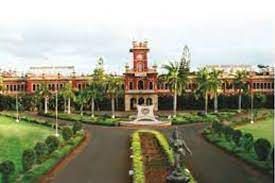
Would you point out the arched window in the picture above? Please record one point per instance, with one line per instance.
(140, 85)
(149, 101)
(151, 86)
(131, 86)
(133, 102)
(141, 101)
(140, 67)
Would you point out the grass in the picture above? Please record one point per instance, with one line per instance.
(138, 167)
(16, 137)
(260, 129)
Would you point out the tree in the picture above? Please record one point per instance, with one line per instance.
(262, 148)
(241, 84)
(97, 85)
(114, 88)
(68, 93)
(214, 86)
(174, 80)
(184, 68)
(203, 82)
(6, 168)
(28, 159)
(81, 99)
(45, 93)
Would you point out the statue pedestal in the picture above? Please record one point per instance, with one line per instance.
(146, 117)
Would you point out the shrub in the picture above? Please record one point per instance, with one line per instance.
(6, 168)
(28, 159)
(138, 167)
(247, 141)
(228, 132)
(52, 143)
(217, 127)
(236, 137)
(67, 133)
(262, 148)
(41, 151)
(77, 126)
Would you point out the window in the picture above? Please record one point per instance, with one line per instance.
(140, 85)
(254, 85)
(8, 88)
(262, 85)
(79, 86)
(131, 86)
(268, 85)
(258, 85)
(140, 67)
(151, 86)
(33, 87)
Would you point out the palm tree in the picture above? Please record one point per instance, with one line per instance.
(241, 84)
(174, 80)
(215, 84)
(203, 78)
(93, 92)
(1, 84)
(81, 99)
(43, 91)
(68, 92)
(114, 88)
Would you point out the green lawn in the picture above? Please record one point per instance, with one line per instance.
(260, 129)
(16, 137)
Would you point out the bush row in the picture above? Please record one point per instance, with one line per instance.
(85, 119)
(41, 152)
(138, 168)
(262, 147)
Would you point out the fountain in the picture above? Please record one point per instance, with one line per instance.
(146, 117)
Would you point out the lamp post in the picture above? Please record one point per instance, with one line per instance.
(17, 111)
(252, 107)
(56, 113)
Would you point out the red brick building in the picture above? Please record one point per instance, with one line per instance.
(141, 80)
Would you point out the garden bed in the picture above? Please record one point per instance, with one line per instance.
(152, 157)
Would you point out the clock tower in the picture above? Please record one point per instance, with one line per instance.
(140, 81)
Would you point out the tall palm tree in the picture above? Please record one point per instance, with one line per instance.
(215, 85)
(68, 92)
(81, 99)
(43, 91)
(114, 88)
(203, 78)
(241, 84)
(94, 92)
(1, 84)
(174, 80)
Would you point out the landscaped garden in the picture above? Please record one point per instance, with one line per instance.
(29, 150)
(152, 157)
(260, 129)
(252, 143)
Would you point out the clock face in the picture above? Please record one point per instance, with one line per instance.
(139, 57)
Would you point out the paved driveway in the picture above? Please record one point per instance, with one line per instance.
(105, 160)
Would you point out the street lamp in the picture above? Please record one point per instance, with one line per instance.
(56, 113)
(17, 111)
(252, 108)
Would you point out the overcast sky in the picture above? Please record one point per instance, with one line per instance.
(63, 32)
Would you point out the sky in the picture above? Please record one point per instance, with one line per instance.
(77, 33)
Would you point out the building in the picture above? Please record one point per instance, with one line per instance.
(140, 81)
